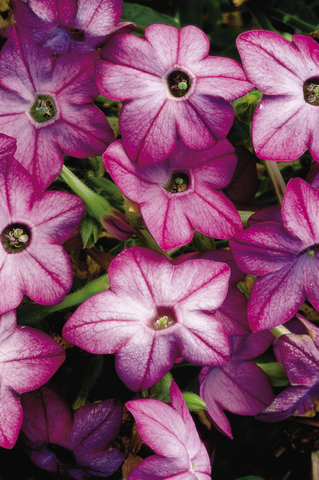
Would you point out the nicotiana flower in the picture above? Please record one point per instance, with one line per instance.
(72, 443)
(180, 194)
(46, 103)
(70, 26)
(300, 358)
(170, 89)
(285, 258)
(287, 73)
(240, 386)
(153, 314)
(28, 359)
(170, 431)
(32, 230)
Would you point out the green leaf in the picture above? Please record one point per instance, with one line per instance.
(293, 13)
(194, 402)
(245, 106)
(276, 374)
(143, 17)
(90, 230)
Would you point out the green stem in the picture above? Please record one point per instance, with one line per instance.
(98, 207)
(278, 331)
(32, 314)
(276, 179)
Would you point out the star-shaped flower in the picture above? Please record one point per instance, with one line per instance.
(154, 313)
(286, 121)
(46, 104)
(170, 89)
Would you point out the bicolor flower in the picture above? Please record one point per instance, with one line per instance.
(70, 443)
(285, 258)
(170, 431)
(286, 121)
(240, 386)
(181, 194)
(170, 89)
(28, 359)
(32, 230)
(46, 104)
(300, 358)
(153, 314)
(70, 26)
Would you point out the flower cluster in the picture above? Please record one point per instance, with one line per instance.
(176, 292)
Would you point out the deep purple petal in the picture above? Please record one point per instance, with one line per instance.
(290, 401)
(47, 416)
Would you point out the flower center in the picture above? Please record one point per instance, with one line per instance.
(165, 319)
(76, 34)
(179, 83)
(179, 182)
(311, 91)
(310, 251)
(63, 454)
(15, 238)
(43, 109)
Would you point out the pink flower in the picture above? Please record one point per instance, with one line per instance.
(72, 444)
(154, 313)
(33, 229)
(286, 121)
(284, 256)
(240, 386)
(28, 359)
(181, 194)
(170, 89)
(70, 26)
(170, 431)
(46, 103)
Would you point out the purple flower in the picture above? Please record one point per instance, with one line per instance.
(70, 26)
(287, 73)
(285, 258)
(170, 89)
(28, 359)
(170, 431)
(154, 313)
(76, 444)
(181, 194)
(300, 358)
(240, 386)
(46, 103)
(32, 231)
